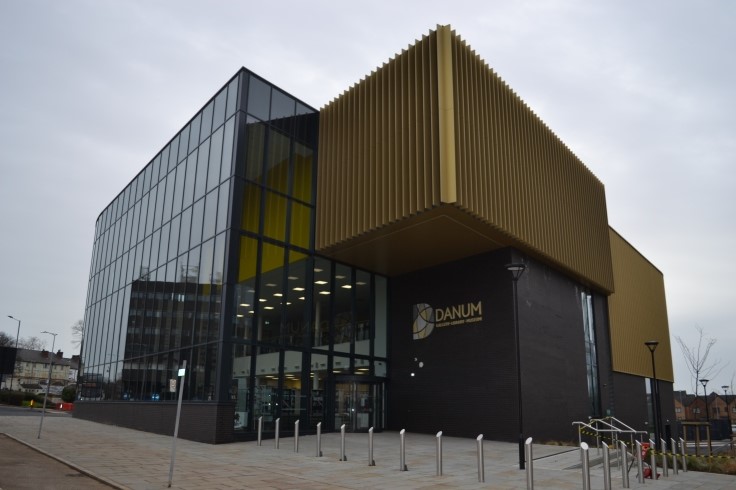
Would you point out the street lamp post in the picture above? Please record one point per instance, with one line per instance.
(17, 334)
(48, 382)
(728, 411)
(652, 346)
(728, 414)
(704, 382)
(516, 271)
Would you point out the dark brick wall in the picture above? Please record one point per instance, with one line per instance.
(468, 383)
(631, 408)
(202, 422)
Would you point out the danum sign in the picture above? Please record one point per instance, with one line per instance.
(426, 318)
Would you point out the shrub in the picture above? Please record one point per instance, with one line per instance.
(68, 394)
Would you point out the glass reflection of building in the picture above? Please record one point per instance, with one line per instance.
(208, 256)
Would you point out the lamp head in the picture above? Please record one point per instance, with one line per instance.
(516, 269)
(704, 382)
(651, 345)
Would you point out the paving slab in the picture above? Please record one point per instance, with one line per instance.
(130, 459)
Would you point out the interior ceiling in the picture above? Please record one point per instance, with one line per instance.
(441, 235)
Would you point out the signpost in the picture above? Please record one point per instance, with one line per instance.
(182, 373)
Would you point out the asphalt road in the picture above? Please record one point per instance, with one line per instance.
(24, 468)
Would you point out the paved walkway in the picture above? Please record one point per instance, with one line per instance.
(130, 459)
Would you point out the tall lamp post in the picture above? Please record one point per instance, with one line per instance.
(48, 382)
(728, 414)
(17, 334)
(652, 346)
(704, 382)
(517, 269)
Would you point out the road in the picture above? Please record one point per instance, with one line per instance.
(25, 468)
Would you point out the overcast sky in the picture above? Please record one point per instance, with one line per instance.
(644, 92)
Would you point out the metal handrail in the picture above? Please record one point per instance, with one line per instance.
(609, 428)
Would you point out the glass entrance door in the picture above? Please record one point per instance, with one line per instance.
(358, 405)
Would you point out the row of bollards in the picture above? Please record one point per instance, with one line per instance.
(641, 451)
(402, 449)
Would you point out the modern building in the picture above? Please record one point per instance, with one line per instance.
(349, 265)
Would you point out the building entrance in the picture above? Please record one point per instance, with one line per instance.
(358, 404)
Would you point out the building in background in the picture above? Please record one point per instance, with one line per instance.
(349, 266)
(31, 373)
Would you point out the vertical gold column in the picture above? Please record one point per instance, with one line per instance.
(448, 185)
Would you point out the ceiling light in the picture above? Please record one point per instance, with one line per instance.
(298, 289)
(324, 292)
(320, 282)
(346, 286)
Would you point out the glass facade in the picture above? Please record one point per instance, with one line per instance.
(208, 256)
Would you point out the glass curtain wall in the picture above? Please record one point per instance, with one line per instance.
(157, 272)
(292, 311)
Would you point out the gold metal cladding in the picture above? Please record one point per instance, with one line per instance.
(379, 148)
(637, 313)
(435, 127)
(448, 182)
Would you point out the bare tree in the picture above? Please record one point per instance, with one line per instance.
(77, 333)
(696, 358)
(6, 340)
(31, 343)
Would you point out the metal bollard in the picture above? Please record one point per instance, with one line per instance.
(296, 436)
(673, 444)
(439, 453)
(481, 460)
(371, 462)
(586, 465)
(665, 469)
(684, 455)
(606, 468)
(318, 454)
(260, 429)
(624, 460)
(343, 456)
(276, 438)
(529, 464)
(639, 462)
(402, 450)
(653, 459)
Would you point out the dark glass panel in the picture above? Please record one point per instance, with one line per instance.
(380, 319)
(142, 220)
(296, 316)
(266, 394)
(277, 167)
(194, 131)
(151, 212)
(240, 385)
(213, 172)
(259, 98)
(301, 225)
(227, 151)
(321, 299)
(174, 237)
(232, 97)
(343, 308)
(218, 264)
(146, 180)
(219, 115)
(303, 167)
(154, 249)
(206, 122)
(183, 143)
(170, 178)
(222, 206)
(165, 160)
(210, 215)
(173, 155)
(202, 160)
(255, 150)
(362, 294)
(293, 404)
(186, 223)
(189, 180)
(197, 218)
(248, 260)
(156, 168)
(164, 247)
(274, 216)
(160, 194)
(178, 190)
